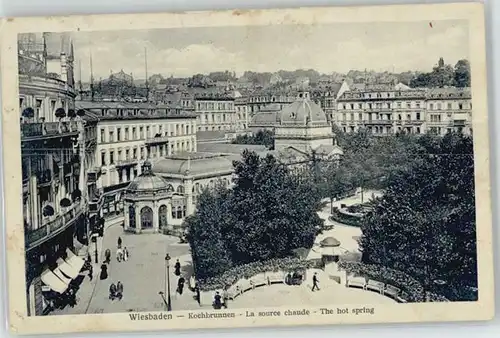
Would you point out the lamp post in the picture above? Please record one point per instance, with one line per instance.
(167, 282)
(95, 252)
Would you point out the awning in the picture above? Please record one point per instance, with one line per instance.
(52, 281)
(60, 274)
(67, 269)
(75, 261)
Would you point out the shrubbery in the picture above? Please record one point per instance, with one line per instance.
(346, 219)
(406, 283)
(231, 276)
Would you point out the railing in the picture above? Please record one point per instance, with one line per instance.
(126, 162)
(157, 140)
(93, 175)
(44, 176)
(53, 225)
(48, 128)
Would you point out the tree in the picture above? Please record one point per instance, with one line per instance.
(462, 73)
(424, 224)
(274, 212)
(204, 234)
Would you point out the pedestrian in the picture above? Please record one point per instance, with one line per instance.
(112, 291)
(119, 290)
(177, 268)
(107, 255)
(180, 285)
(119, 254)
(91, 271)
(198, 295)
(315, 282)
(119, 242)
(217, 301)
(104, 271)
(125, 254)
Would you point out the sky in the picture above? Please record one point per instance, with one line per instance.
(327, 48)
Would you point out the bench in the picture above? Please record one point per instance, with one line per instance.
(402, 297)
(392, 291)
(359, 282)
(375, 286)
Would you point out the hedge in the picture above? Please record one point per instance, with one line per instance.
(231, 276)
(346, 219)
(386, 275)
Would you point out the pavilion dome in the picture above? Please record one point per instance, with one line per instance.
(302, 112)
(147, 181)
(330, 242)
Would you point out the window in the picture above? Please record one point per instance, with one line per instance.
(431, 106)
(103, 158)
(417, 104)
(147, 132)
(38, 108)
(418, 116)
(439, 107)
(418, 130)
(142, 153)
(52, 105)
(119, 155)
(102, 135)
(134, 153)
(449, 105)
(127, 154)
(360, 116)
(399, 117)
(460, 106)
(399, 104)
(352, 117)
(126, 134)
(119, 134)
(141, 132)
(111, 157)
(111, 136)
(134, 133)
(408, 117)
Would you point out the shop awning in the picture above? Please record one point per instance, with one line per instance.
(67, 269)
(53, 282)
(61, 275)
(75, 261)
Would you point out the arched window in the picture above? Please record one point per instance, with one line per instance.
(179, 212)
(170, 188)
(131, 216)
(162, 216)
(184, 211)
(180, 189)
(146, 218)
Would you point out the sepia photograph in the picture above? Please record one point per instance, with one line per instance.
(289, 170)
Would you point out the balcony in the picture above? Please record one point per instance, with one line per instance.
(378, 122)
(93, 175)
(157, 140)
(126, 163)
(36, 131)
(96, 202)
(53, 226)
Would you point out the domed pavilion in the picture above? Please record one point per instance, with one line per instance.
(148, 200)
(303, 125)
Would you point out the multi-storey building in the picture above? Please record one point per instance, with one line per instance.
(53, 175)
(258, 101)
(242, 114)
(411, 111)
(215, 112)
(128, 134)
(449, 109)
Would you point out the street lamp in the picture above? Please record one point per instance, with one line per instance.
(94, 239)
(167, 282)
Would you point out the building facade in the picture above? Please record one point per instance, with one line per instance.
(130, 133)
(53, 173)
(215, 112)
(416, 111)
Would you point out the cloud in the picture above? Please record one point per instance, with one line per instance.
(398, 47)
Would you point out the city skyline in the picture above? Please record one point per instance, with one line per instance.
(374, 46)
